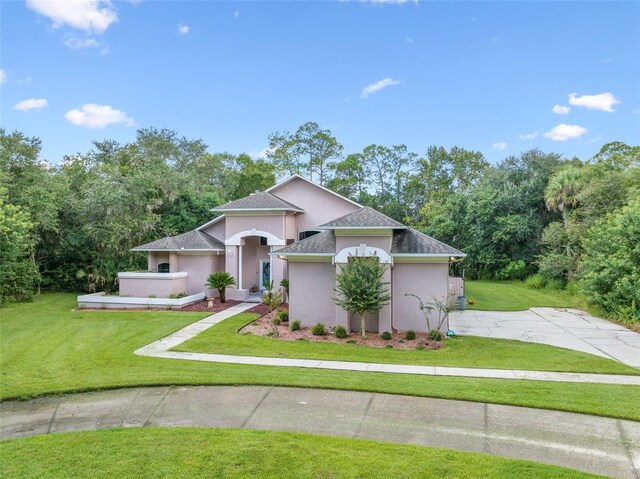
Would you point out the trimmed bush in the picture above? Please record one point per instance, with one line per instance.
(283, 316)
(276, 321)
(351, 341)
(388, 346)
(419, 347)
(435, 335)
(295, 326)
(411, 335)
(318, 330)
(340, 332)
(386, 335)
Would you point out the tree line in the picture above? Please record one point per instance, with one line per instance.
(564, 223)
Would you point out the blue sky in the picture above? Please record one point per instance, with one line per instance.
(480, 75)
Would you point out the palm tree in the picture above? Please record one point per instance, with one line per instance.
(220, 281)
(562, 191)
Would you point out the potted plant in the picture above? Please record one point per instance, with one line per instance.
(254, 288)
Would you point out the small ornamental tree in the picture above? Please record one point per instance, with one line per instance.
(220, 281)
(360, 288)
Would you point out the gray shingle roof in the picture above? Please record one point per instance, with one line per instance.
(191, 240)
(410, 241)
(363, 218)
(322, 243)
(258, 201)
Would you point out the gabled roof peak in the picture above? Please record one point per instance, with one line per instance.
(364, 218)
(260, 200)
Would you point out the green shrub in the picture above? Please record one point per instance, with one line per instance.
(555, 284)
(419, 347)
(386, 335)
(536, 281)
(318, 329)
(389, 346)
(351, 341)
(295, 326)
(435, 335)
(411, 335)
(283, 316)
(276, 321)
(572, 287)
(340, 332)
(513, 270)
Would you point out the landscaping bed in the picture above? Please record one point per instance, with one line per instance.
(263, 326)
(204, 306)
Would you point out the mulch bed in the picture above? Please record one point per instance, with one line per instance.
(263, 327)
(204, 307)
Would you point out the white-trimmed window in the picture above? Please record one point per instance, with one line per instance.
(163, 268)
(307, 234)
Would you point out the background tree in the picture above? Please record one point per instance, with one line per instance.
(360, 288)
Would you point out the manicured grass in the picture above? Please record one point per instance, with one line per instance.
(515, 296)
(46, 348)
(469, 352)
(193, 452)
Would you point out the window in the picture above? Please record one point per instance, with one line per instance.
(263, 241)
(307, 234)
(163, 267)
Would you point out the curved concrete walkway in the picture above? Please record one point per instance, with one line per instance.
(162, 349)
(592, 444)
(565, 328)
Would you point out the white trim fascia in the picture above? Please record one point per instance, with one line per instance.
(427, 255)
(292, 177)
(145, 275)
(214, 220)
(180, 250)
(363, 227)
(231, 210)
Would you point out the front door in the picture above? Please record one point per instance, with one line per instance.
(265, 273)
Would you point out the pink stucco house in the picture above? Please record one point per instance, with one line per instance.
(301, 231)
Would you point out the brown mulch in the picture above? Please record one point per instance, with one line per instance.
(263, 327)
(204, 306)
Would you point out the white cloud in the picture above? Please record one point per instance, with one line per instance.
(262, 154)
(87, 15)
(528, 136)
(97, 116)
(183, 29)
(377, 86)
(3, 76)
(236, 14)
(499, 146)
(560, 109)
(564, 132)
(408, 40)
(30, 104)
(602, 101)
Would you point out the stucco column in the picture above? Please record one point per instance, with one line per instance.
(173, 263)
(151, 261)
(384, 316)
(342, 317)
(240, 267)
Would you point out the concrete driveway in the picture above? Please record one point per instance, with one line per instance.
(593, 444)
(566, 328)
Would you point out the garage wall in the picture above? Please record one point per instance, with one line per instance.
(311, 292)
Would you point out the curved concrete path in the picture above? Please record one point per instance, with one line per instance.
(566, 328)
(162, 349)
(592, 444)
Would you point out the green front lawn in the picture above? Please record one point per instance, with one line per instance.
(194, 452)
(47, 348)
(515, 296)
(467, 352)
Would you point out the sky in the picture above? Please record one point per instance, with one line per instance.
(498, 77)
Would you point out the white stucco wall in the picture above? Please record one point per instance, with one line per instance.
(425, 280)
(311, 292)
